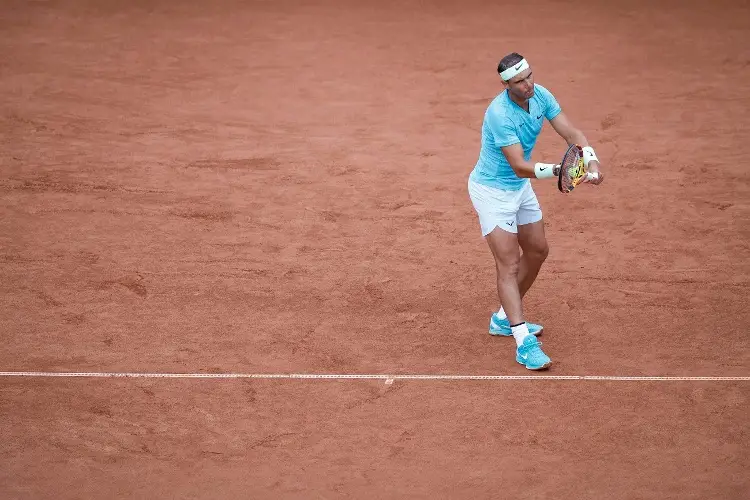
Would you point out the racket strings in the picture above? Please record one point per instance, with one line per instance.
(571, 163)
(571, 169)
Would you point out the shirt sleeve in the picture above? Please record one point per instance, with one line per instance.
(503, 130)
(551, 107)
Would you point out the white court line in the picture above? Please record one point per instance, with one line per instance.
(387, 378)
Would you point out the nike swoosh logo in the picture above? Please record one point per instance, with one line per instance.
(516, 68)
(524, 356)
(538, 117)
(510, 223)
(541, 169)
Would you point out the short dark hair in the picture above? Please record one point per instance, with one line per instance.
(510, 60)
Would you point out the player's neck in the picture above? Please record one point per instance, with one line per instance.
(522, 103)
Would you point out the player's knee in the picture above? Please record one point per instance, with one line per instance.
(544, 252)
(539, 252)
(507, 266)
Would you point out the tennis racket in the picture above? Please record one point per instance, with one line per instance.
(572, 170)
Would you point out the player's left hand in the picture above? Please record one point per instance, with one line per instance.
(593, 166)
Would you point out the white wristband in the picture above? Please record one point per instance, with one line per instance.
(544, 170)
(589, 155)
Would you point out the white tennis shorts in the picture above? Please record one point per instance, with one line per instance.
(504, 209)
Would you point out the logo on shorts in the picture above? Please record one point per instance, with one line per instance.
(510, 223)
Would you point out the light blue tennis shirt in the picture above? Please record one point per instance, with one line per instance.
(506, 123)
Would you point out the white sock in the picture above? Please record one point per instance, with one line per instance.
(501, 313)
(520, 332)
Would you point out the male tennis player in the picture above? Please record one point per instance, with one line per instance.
(508, 210)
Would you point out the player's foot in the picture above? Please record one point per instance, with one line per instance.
(530, 354)
(502, 327)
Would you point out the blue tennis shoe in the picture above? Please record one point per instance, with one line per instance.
(530, 354)
(502, 327)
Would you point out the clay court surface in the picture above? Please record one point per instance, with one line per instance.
(280, 188)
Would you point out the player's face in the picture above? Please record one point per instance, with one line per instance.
(522, 85)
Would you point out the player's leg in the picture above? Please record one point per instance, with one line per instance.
(505, 250)
(534, 246)
(533, 242)
(531, 238)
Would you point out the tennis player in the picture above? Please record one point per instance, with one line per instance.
(500, 189)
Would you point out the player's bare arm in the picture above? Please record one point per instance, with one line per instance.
(573, 135)
(527, 169)
(523, 169)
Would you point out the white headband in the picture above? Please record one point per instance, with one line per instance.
(514, 70)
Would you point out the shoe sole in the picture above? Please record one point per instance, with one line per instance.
(499, 334)
(543, 367)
